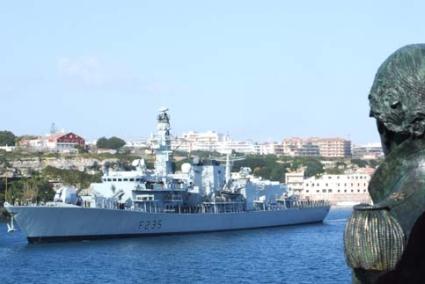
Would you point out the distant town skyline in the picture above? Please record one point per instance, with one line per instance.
(261, 71)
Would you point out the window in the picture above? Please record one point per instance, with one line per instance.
(120, 179)
(358, 190)
(317, 191)
(132, 179)
(323, 190)
(306, 190)
(352, 190)
(114, 179)
(330, 190)
(126, 179)
(345, 190)
(339, 190)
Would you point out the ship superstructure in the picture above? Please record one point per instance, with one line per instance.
(201, 196)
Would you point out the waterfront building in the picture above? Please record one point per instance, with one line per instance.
(295, 182)
(334, 188)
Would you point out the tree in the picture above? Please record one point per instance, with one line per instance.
(374, 163)
(102, 143)
(81, 149)
(34, 189)
(111, 143)
(71, 177)
(116, 143)
(7, 138)
(267, 167)
(359, 163)
(278, 172)
(313, 168)
(334, 171)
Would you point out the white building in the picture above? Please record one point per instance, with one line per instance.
(335, 188)
(137, 143)
(245, 147)
(199, 141)
(295, 182)
(8, 148)
(270, 148)
(211, 141)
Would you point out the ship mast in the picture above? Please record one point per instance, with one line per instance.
(228, 169)
(162, 144)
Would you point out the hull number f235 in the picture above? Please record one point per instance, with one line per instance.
(148, 225)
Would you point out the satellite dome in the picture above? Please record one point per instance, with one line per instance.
(186, 167)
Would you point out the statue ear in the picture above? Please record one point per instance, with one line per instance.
(417, 126)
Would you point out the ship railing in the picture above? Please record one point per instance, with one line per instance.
(222, 207)
(308, 203)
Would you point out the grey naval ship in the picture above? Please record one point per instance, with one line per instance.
(201, 197)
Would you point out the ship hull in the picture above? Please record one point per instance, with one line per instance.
(48, 224)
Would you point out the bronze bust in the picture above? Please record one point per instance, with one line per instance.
(385, 242)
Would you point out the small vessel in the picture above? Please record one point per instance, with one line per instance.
(11, 226)
(204, 196)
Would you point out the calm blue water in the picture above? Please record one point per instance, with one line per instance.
(297, 254)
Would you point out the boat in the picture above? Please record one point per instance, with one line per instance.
(203, 196)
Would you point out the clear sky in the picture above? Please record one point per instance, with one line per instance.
(259, 70)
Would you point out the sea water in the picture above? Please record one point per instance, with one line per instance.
(294, 254)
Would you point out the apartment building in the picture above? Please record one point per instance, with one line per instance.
(315, 147)
(368, 152)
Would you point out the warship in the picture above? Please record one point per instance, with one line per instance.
(203, 196)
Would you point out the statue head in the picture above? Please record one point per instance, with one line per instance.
(397, 97)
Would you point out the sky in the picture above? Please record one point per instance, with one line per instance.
(260, 70)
